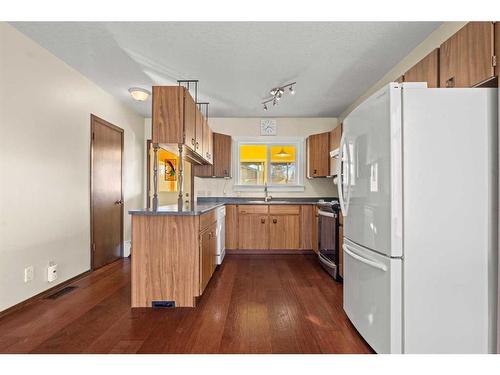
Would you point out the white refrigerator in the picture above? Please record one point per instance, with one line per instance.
(418, 189)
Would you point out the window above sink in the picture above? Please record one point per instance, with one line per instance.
(279, 163)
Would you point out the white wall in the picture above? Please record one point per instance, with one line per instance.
(45, 109)
(250, 127)
(434, 40)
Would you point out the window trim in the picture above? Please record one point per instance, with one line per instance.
(298, 142)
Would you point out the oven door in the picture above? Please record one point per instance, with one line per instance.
(327, 237)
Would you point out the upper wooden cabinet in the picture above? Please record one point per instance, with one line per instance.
(318, 155)
(335, 136)
(497, 48)
(466, 59)
(178, 120)
(220, 151)
(426, 70)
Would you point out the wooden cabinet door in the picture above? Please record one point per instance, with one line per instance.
(204, 139)
(497, 48)
(426, 70)
(198, 132)
(231, 226)
(307, 226)
(318, 155)
(466, 58)
(190, 110)
(222, 155)
(284, 232)
(210, 141)
(335, 136)
(253, 231)
(205, 259)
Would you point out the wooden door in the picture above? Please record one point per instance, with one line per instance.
(318, 155)
(231, 226)
(426, 70)
(284, 232)
(222, 155)
(106, 192)
(466, 58)
(190, 110)
(253, 231)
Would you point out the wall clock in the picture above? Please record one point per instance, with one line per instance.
(267, 127)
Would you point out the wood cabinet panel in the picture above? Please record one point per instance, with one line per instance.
(199, 140)
(284, 232)
(168, 114)
(222, 148)
(285, 209)
(335, 136)
(231, 226)
(318, 155)
(190, 110)
(497, 48)
(207, 255)
(315, 231)
(465, 59)
(210, 143)
(207, 219)
(160, 245)
(307, 226)
(426, 70)
(253, 231)
(253, 209)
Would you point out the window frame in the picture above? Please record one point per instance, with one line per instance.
(298, 142)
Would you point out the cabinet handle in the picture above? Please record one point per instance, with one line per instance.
(197, 145)
(315, 171)
(450, 82)
(275, 221)
(192, 141)
(263, 221)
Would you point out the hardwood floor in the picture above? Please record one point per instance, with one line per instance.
(253, 304)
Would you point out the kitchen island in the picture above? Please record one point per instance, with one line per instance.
(174, 247)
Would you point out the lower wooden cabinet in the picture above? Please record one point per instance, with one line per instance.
(270, 227)
(253, 230)
(284, 232)
(208, 243)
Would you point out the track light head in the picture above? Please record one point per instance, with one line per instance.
(273, 91)
(292, 91)
(265, 107)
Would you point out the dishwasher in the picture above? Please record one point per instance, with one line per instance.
(220, 235)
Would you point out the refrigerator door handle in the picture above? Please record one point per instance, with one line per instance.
(340, 177)
(369, 262)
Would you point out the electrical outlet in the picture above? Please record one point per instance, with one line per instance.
(29, 273)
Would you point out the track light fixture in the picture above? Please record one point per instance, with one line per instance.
(277, 94)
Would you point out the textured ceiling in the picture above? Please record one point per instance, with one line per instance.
(236, 63)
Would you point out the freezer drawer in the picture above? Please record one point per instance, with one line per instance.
(373, 296)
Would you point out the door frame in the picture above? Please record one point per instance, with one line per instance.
(95, 119)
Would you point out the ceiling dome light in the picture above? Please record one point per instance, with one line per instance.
(139, 94)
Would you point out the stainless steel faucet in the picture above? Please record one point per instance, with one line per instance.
(268, 197)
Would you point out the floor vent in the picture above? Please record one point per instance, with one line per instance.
(61, 292)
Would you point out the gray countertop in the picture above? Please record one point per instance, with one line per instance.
(206, 204)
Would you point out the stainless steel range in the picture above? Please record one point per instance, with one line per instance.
(328, 237)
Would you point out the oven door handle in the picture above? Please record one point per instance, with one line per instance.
(369, 262)
(325, 213)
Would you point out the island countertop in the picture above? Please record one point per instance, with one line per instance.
(204, 205)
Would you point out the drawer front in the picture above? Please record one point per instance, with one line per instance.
(286, 209)
(207, 219)
(252, 209)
